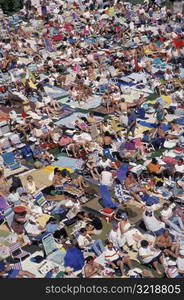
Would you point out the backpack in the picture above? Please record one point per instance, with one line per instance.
(27, 152)
(16, 182)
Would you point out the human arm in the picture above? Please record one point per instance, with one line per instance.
(89, 273)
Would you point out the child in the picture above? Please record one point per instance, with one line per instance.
(13, 198)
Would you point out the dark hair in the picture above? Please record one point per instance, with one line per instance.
(12, 189)
(64, 172)
(108, 243)
(107, 134)
(89, 258)
(51, 220)
(108, 168)
(56, 170)
(159, 183)
(148, 213)
(117, 181)
(144, 243)
(154, 161)
(82, 230)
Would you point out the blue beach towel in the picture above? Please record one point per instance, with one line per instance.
(106, 198)
(180, 121)
(122, 171)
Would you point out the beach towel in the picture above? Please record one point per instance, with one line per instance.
(150, 200)
(57, 37)
(180, 121)
(169, 160)
(48, 45)
(93, 102)
(102, 110)
(66, 111)
(122, 171)
(42, 220)
(182, 73)
(69, 120)
(55, 92)
(106, 198)
(140, 113)
(147, 124)
(67, 162)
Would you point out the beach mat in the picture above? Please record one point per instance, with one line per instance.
(69, 120)
(65, 112)
(67, 162)
(55, 92)
(102, 110)
(106, 197)
(93, 101)
(122, 171)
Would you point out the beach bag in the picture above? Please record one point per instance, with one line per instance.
(107, 213)
(27, 152)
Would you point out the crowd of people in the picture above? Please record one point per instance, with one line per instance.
(129, 148)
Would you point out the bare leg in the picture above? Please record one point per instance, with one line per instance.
(127, 261)
(136, 197)
(121, 265)
(25, 273)
(93, 174)
(81, 183)
(155, 264)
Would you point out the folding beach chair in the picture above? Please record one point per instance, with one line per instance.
(10, 161)
(16, 142)
(40, 200)
(17, 252)
(51, 250)
(8, 217)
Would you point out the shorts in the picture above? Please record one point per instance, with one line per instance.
(13, 273)
(155, 258)
(115, 261)
(135, 188)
